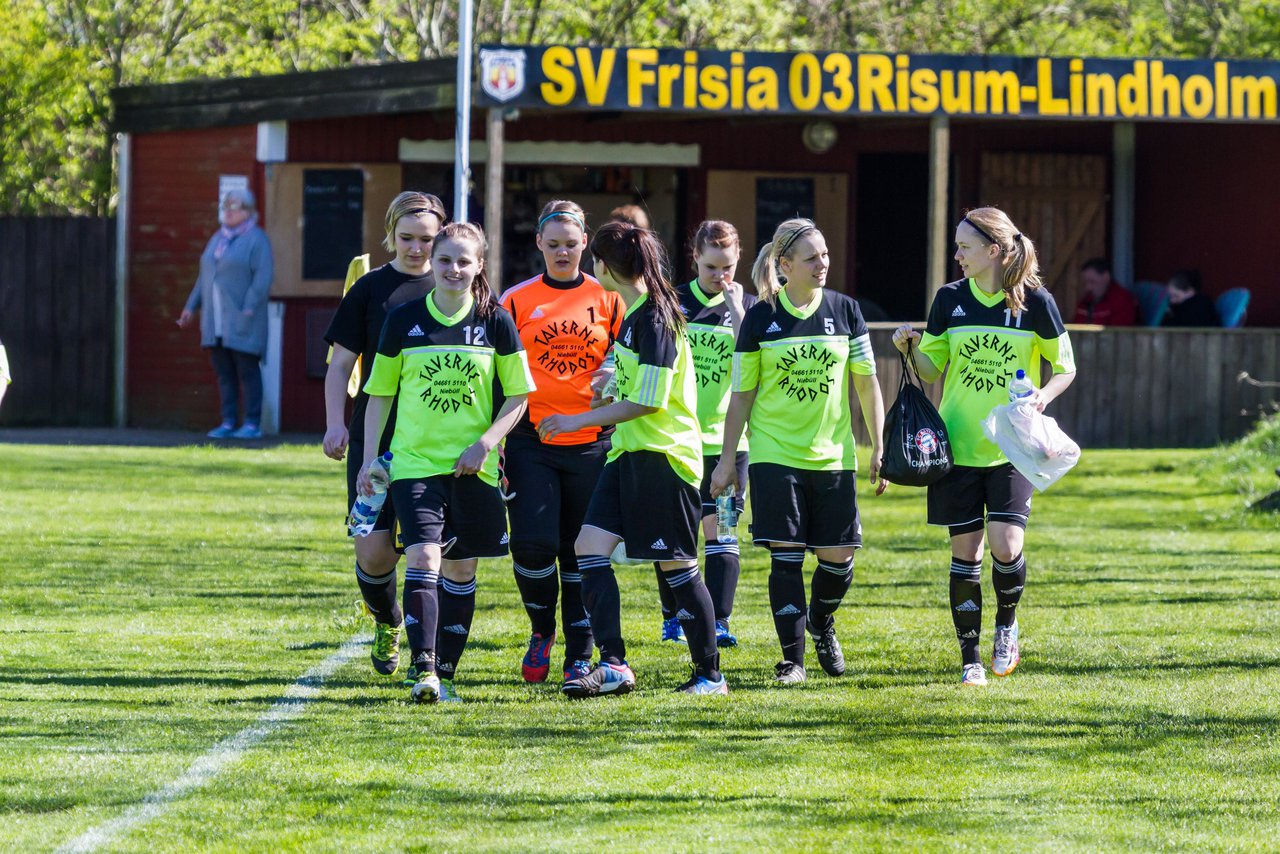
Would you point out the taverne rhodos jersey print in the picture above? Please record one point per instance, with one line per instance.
(799, 360)
(444, 369)
(983, 344)
(711, 338)
(655, 368)
(566, 328)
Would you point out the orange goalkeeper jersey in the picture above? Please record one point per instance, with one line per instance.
(566, 328)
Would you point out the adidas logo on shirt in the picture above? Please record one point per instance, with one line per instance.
(773, 327)
(958, 312)
(967, 606)
(537, 312)
(455, 629)
(416, 331)
(659, 545)
(787, 611)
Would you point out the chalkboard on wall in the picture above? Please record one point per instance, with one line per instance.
(779, 199)
(332, 221)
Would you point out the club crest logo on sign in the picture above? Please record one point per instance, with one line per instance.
(927, 441)
(502, 73)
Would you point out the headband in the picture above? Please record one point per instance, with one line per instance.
(795, 235)
(567, 214)
(981, 231)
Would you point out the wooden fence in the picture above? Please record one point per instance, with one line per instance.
(57, 308)
(1147, 388)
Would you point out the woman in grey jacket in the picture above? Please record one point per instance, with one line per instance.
(231, 293)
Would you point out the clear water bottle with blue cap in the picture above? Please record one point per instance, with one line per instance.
(365, 512)
(1021, 387)
(726, 517)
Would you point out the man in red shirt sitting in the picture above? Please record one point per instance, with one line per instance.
(1104, 302)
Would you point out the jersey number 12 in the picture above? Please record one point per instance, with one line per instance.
(475, 334)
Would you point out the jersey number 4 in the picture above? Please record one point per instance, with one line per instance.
(475, 334)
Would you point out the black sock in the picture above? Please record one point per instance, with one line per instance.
(421, 610)
(966, 606)
(666, 599)
(379, 594)
(696, 613)
(603, 602)
(1009, 579)
(831, 582)
(786, 599)
(538, 590)
(576, 625)
(457, 609)
(723, 569)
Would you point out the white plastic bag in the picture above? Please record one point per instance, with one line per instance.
(1033, 442)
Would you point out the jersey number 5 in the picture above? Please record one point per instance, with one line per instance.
(474, 334)
(828, 326)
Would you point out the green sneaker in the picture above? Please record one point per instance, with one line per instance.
(386, 648)
(447, 692)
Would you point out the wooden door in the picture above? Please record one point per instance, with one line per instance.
(1060, 202)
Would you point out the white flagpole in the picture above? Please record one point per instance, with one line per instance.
(462, 134)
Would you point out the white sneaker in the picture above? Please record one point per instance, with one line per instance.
(426, 689)
(1005, 658)
(973, 674)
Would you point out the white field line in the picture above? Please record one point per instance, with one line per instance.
(203, 770)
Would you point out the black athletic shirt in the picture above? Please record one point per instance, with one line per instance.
(358, 323)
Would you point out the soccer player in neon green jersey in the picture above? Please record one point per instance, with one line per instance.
(984, 328)
(714, 305)
(798, 348)
(442, 355)
(647, 495)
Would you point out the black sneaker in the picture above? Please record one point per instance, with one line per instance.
(788, 673)
(830, 655)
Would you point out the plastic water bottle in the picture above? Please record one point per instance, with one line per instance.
(364, 513)
(726, 517)
(609, 391)
(1021, 387)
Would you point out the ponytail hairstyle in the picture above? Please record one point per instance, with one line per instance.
(563, 210)
(634, 254)
(469, 232)
(715, 233)
(765, 272)
(411, 203)
(1019, 266)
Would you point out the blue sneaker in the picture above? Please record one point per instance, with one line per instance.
(604, 678)
(536, 663)
(701, 685)
(576, 669)
(222, 431)
(673, 631)
(724, 638)
(247, 431)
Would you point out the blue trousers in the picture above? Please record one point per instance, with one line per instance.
(236, 369)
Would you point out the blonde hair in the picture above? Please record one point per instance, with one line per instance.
(1019, 266)
(765, 270)
(563, 209)
(715, 233)
(411, 203)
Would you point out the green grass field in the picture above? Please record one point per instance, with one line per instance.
(159, 601)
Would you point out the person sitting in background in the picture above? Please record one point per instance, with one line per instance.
(633, 214)
(1188, 304)
(1104, 302)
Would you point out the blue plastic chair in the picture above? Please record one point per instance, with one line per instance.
(1153, 302)
(1232, 305)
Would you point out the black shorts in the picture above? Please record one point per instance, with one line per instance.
(709, 464)
(968, 497)
(355, 459)
(462, 515)
(551, 486)
(641, 499)
(817, 509)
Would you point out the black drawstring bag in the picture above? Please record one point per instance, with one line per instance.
(916, 449)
